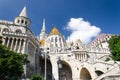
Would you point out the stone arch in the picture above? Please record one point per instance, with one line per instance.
(18, 31)
(66, 71)
(98, 72)
(5, 30)
(85, 74)
(90, 70)
(49, 75)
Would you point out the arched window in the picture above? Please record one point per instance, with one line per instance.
(52, 39)
(18, 21)
(18, 31)
(25, 22)
(22, 21)
(59, 39)
(5, 30)
(55, 39)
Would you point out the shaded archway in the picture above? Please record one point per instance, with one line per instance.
(66, 72)
(49, 75)
(98, 72)
(84, 74)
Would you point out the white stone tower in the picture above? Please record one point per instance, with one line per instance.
(22, 19)
(18, 37)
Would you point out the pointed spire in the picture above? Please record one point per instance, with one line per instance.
(24, 12)
(43, 27)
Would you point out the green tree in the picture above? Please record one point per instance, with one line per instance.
(114, 45)
(11, 63)
(36, 77)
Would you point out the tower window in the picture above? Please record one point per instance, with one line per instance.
(22, 21)
(52, 39)
(55, 39)
(59, 39)
(25, 22)
(18, 21)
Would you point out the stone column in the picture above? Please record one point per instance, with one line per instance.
(16, 44)
(82, 56)
(3, 39)
(8, 41)
(79, 56)
(54, 68)
(11, 47)
(85, 56)
(19, 45)
(25, 46)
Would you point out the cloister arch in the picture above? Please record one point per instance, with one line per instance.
(85, 74)
(66, 71)
(49, 75)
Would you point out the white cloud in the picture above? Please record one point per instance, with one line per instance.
(82, 30)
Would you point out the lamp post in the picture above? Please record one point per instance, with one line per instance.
(45, 66)
(59, 62)
(46, 56)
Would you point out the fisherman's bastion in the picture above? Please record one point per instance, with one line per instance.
(53, 57)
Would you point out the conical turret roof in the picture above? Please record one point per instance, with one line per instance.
(24, 12)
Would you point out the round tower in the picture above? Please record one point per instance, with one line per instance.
(22, 19)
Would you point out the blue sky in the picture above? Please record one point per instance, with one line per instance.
(98, 16)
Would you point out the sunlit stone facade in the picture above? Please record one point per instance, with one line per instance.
(78, 61)
(18, 37)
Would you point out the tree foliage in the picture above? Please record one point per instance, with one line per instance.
(114, 45)
(11, 63)
(36, 77)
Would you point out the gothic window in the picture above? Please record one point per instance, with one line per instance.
(18, 31)
(56, 45)
(5, 30)
(55, 39)
(60, 39)
(22, 21)
(18, 21)
(60, 45)
(52, 39)
(25, 22)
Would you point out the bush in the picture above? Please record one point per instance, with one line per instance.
(107, 59)
(36, 77)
